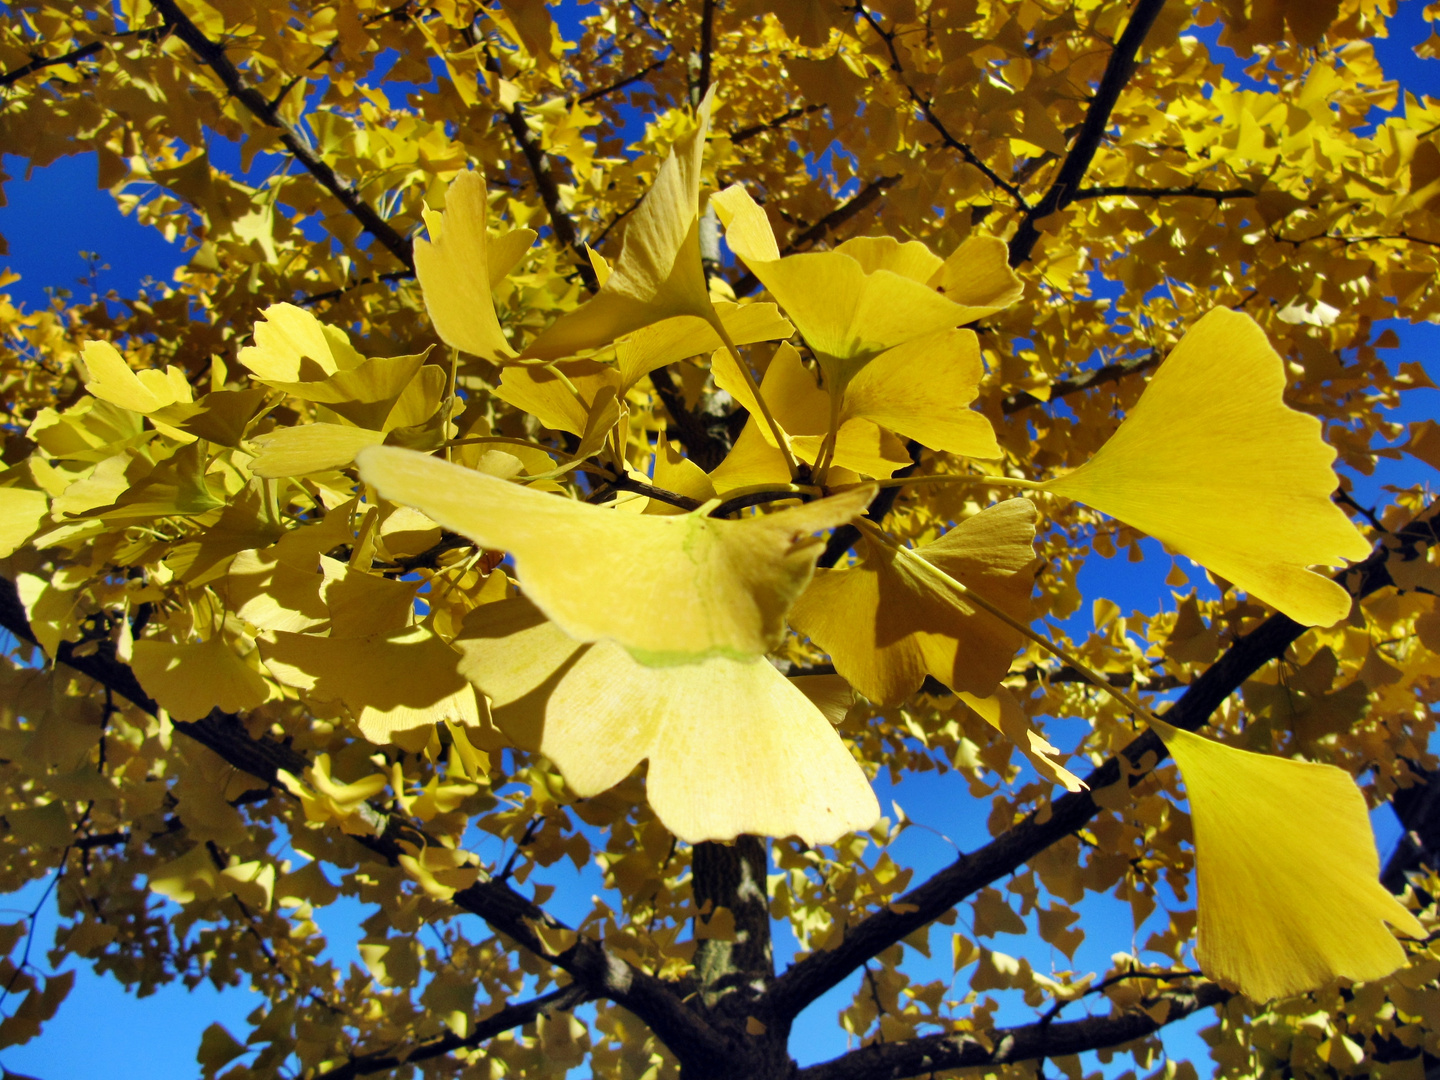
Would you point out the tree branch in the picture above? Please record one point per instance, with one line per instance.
(600, 972)
(39, 63)
(335, 294)
(1097, 118)
(620, 84)
(935, 1053)
(706, 437)
(1064, 387)
(1194, 191)
(747, 133)
(561, 223)
(512, 1016)
(847, 536)
(807, 979)
(707, 46)
(926, 109)
(212, 55)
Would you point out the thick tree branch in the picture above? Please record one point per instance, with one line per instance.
(512, 1016)
(1029, 1042)
(833, 220)
(1097, 118)
(1418, 808)
(807, 979)
(705, 436)
(213, 56)
(707, 47)
(739, 965)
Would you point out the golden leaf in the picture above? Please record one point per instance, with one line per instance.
(458, 269)
(658, 274)
(733, 746)
(1288, 891)
(188, 680)
(887, 623)
(683, 587)
(1212, 462)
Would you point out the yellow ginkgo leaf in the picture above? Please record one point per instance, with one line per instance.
(193, 876)
(831, 694)
(803, 410)
(848, 314)
(221, 416)
(1214, 463)
(1289, 896)
(309, 448)
(688, 335)
(1003, 712)
(658, 273)
(21, 512)
(190, 680)
(753, 461)
(684, 586)
(677, 473)
(977, 276)
(326, 800)
(560, 396)
(887, 623)
(459, 266)
(910, 258)
(148, 392)
(365, 393)
(292, 345)
(113, 380)
(921, 389)
(733, 746)
(389, 682)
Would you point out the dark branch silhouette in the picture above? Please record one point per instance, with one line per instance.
(1029, 1042)
(512, 1016)
(807, 979)
(1097, 118)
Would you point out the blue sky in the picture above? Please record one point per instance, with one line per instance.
(57, 212)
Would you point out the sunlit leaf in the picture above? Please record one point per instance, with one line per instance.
(1289, 897)
(886, 623)
(458, 269)
(1212, 462)
(719, 587)
(658, 273)
(732, 746)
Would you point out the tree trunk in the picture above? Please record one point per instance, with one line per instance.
(734, 963)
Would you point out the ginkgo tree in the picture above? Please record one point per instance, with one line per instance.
(628, 439)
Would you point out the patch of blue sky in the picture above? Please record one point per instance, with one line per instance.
(947, 821)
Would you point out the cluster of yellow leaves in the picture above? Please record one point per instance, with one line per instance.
(185, 490)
